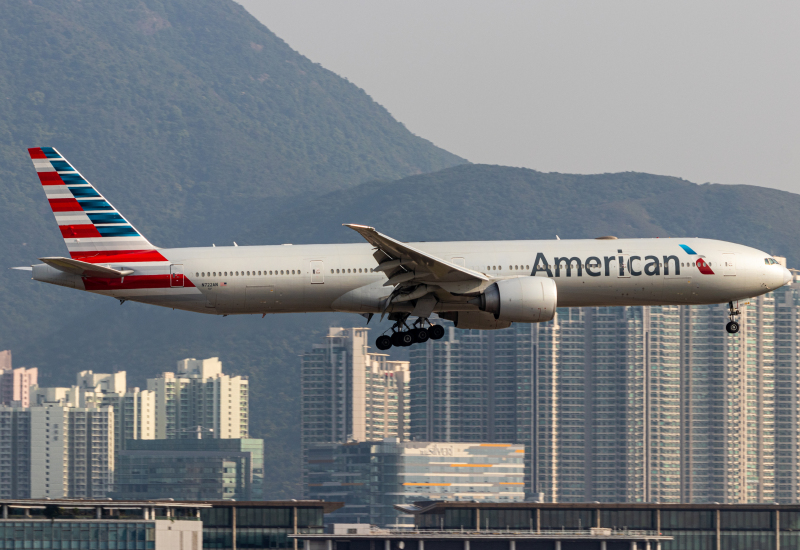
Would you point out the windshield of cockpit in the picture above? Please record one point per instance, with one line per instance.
(771, 261)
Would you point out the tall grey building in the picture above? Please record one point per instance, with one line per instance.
(628, 404)
(350, 394)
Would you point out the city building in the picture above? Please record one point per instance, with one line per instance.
(362, 537)
(54, 451)
(92, 524)
(72, 451)
(200, 397)
(263, 525)
(15, 384)
(15, 452)
(628, 404)
(372, 477)
(159, 524)
(349, 394)
(134, 409)
(708, 526)
(190, 469)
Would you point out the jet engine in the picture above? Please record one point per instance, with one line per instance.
(520, 300)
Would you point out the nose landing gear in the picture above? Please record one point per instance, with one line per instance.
(732, 327)
(418, 334)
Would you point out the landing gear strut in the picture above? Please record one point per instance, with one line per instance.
(732, 327)
(417, 334)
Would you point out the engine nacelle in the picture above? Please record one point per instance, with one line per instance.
(520, 300)
(474, 319)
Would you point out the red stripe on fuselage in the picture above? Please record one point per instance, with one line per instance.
(703, 267)
(36, 153)
(118, 256)
(132, 282)
(50, 178)
(79, 231)
(65, 205)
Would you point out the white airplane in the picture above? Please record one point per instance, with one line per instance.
(477, 284)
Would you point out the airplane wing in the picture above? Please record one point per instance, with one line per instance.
(406, 264)
(84, 269)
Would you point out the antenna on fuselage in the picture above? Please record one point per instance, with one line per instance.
(558, 238)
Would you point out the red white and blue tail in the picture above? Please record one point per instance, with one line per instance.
(93, 230)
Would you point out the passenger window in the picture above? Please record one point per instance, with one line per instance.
(527, 267)
(226, 274)
(293, 272)
(215, 274)
(337, 271)
(331, 271)
(259, 272)
(359, 270)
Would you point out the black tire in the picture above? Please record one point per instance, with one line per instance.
(732, 327)
(436, 332)
(421, 335)
(406, 339)
(383, 342)
(396, 341)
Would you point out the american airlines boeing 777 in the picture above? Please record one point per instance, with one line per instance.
(477, 284)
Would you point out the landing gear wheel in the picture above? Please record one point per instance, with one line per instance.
(405, 338)
(420, 335)
(436, 332)
(395, 338)
(732, 327)
(383, 342)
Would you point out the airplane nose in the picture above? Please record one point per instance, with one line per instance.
(787, 276)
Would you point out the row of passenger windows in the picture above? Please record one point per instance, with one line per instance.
(527, 267)
(271, 272)
(244, 273)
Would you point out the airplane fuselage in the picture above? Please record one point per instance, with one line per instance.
(341, 277)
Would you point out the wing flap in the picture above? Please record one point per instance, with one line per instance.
(426, 264)
(84, 269)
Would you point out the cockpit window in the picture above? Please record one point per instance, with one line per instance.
(771, 261)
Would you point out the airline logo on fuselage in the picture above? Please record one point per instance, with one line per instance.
(622, 265)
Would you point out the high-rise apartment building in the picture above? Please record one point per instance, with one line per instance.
(56, 451)
(134, 409)
(350, 394)
(15, 452)
(628, 404)
(15, 384)
(199, 397)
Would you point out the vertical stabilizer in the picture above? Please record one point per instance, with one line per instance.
(93, 230)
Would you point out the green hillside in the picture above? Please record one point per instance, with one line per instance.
(197, 122)
(497, 202)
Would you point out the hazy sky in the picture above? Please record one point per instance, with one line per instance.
(707, 91)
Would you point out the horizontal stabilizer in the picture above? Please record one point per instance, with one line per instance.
(84, 269)
(23, 268)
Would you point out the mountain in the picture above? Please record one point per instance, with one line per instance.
(198, 122)
(202, 126)
(482, 202)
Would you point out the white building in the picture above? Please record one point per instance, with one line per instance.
(199, 397)
(134, 409)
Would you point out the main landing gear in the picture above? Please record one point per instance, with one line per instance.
(732, 327)
(417, 334)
